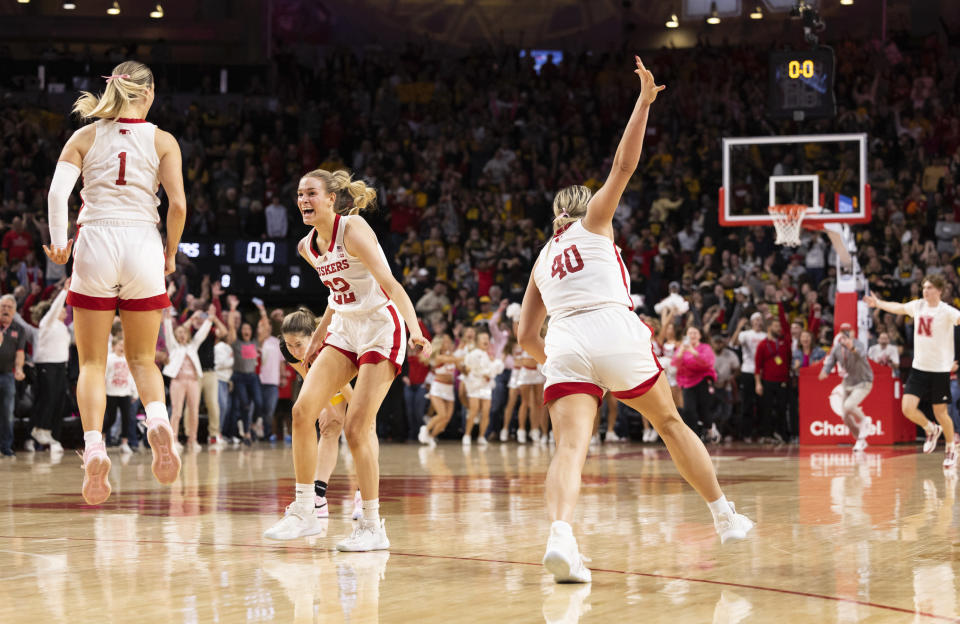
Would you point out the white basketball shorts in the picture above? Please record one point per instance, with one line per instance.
(442, 391)
(604, 349)
(369, 337)
(118, 264)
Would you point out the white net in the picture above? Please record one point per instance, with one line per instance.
(788, 219)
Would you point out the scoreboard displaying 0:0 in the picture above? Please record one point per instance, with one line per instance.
(248, 266)
(801, 84)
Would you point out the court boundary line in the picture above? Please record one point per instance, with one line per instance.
(671, 577)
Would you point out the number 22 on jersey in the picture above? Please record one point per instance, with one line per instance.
(567, 261)
(340, 288)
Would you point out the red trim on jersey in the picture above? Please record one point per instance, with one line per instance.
(312, 243)
(87, 302)
(563, 229)
(157, 302)
(333, 236)
(375, 357)
(640, 390)
(566, 388)
(349, 354)
(129, 120)
(623, 274)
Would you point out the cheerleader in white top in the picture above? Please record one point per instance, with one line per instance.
(481, 372)
(596, 343)
(360, 335)
(443, 364)
(119, 260)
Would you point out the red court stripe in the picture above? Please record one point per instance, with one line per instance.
(311, 549)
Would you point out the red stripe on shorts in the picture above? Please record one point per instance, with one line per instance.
(652, 352)
(640, 390)
(156, 302)
(566, 388)
(350, 355)
(87, 302)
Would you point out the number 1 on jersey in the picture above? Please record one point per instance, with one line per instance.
(121, 180)
(568, 259)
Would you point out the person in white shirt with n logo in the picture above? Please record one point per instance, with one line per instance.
(933, 356)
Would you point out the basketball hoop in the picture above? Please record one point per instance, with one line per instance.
(788, 218)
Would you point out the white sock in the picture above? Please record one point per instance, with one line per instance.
(305, 494)
(92, 437)
(371, 510)
(156, 409)
(719, 506)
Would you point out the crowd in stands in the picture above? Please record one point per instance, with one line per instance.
(466, 152)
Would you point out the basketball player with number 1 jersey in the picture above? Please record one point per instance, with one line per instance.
(933, 357)
(119, 260)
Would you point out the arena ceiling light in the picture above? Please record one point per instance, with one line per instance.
(757, 13)
(846, 2)
(673, 22)
(114, 8)
(714, 18)
(69, 6)
(23, 1)
(157, 13)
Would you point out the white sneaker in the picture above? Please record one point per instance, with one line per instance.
(932, 436)
(521, 436)
(713, 436)
(320, 507)
(357, 512)
(482, 441)
(465, 440)
(125, 449)
(41, 435)
(732, 526)
(595, 440)
(550, 437)
(654, 436)
(860, 445)
(504, 435)
(535, 436)
(298, 521)
(423, 435)
(563, 558)
(366, 536)
(950, 457)
(28, 446)
(431, 442)
(56, 448)
(613, 437)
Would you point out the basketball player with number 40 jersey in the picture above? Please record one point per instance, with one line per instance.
(933, 356)
(119, 259)
(596, 343)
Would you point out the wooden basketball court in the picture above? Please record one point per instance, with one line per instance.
(838, 539)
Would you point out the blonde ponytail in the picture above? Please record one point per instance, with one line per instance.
(352, 195)
(129, 81)
(570, 205)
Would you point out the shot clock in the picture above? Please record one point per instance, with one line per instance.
(801, 84)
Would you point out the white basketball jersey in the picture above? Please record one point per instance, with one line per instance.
(120, 178)
(352, 286)
(932, 335)
(579, 270)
